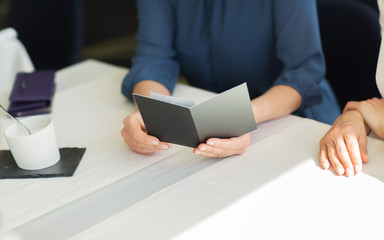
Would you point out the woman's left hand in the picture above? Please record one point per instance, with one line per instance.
(344, 146)
(373, 113)
(218, 147)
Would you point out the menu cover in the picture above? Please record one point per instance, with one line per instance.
(179, 121)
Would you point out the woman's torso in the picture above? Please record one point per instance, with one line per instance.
(227, 43)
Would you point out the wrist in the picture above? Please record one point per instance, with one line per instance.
(146, 86)
(260, 110)
(356, 116)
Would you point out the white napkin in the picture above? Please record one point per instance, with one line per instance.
(13, 58)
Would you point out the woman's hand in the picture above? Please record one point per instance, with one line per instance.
(344, 147)
(373, 113)
(217, 147)
(137, 138)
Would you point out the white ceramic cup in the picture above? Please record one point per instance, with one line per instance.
(37, 150)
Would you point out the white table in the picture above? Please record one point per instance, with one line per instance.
(276, 190)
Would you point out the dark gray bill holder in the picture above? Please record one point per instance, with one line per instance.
(228, 114)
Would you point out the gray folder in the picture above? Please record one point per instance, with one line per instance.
(228, 114)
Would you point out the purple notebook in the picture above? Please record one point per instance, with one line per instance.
(32, 93)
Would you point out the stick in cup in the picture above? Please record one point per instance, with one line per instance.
(37, 150)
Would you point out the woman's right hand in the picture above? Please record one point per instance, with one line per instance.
(136, 137)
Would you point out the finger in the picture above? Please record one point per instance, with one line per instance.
(136, 146)
(209, 151)
(138, 137)
(344, 157)
(210, 154)
(145, 151)
(324, 162)
(354, 153)
(233, 144)
(144, 144)
(216, 147)
(136, 132)
(145, 148)
(333, 158)
(339, 152)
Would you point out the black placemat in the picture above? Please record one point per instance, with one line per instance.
(66, 167)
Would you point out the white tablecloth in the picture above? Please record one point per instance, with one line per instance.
(276, 190)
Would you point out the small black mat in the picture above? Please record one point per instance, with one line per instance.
(66, 167)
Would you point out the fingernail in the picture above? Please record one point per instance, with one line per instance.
(155, 142)
(358, 168)
(164, 146)
(349, 172)
(340, 170)
(203, 148)
(210, 143)
(325, 165)
(197, 152)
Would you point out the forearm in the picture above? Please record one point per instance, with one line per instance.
(145, 87)
(277, 102)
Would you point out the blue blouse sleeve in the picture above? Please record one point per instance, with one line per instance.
(155, 56)
(299, 48)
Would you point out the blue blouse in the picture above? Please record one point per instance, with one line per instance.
(218, 44)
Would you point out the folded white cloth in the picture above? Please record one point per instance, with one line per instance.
(13, 58)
